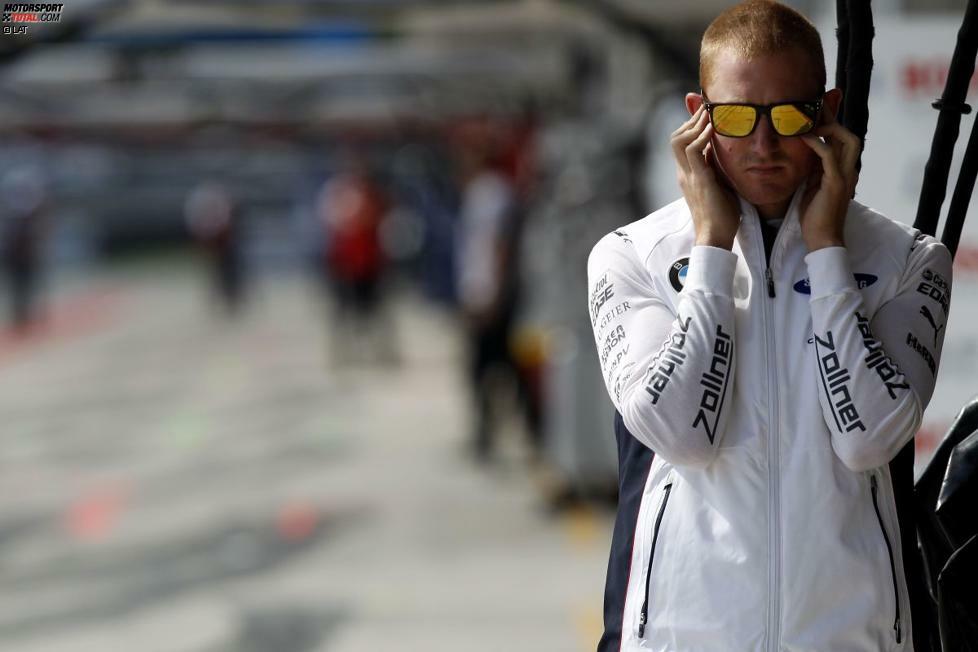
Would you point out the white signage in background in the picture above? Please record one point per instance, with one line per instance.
(911, 56)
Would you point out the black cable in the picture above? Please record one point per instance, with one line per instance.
(842, 60)
(951, 106)
(859, 70)
(963, 188)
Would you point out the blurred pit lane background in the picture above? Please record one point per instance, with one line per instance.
(295, 353)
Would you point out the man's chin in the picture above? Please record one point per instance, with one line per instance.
(773, 192)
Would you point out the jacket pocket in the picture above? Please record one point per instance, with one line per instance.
(644, 615)
(874, 486)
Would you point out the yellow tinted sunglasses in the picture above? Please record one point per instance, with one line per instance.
(738, 120)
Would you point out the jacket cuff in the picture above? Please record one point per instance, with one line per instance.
(829, 272)
(711, 269)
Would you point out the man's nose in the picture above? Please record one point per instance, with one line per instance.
(765, 138)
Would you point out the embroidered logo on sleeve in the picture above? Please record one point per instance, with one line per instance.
(677, 274)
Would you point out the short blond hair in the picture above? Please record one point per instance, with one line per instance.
(757, 28)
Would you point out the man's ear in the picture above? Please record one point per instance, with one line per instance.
(693, 102)
(831, 104)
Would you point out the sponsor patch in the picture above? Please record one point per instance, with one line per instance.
(677, 274)
(835, 380)
(922, 351)
(862, 281)
(714, 380)
(616, 337)
(925, 311)
(603, 290)
(935, 287)
(669, 358)
(611, 316)
(877, 360)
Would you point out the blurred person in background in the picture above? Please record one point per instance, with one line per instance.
(352, 207)
(487, 279)
(22, 202)
(214, 223)
(770, 346)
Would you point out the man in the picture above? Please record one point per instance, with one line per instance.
(770, 346)
(352, 208)
(214, 221)
(23, 204)
(486, 279)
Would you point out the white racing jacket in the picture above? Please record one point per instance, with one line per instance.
(774, 396)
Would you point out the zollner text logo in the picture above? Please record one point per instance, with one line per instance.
(17, 16)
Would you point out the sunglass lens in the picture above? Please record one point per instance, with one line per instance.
(733, 120)
(789, 120)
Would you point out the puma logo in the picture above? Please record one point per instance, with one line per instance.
(933, 324)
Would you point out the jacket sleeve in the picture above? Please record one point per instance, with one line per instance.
(877, 372)
(669, 375)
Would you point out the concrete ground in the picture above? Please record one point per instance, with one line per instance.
(175, 481)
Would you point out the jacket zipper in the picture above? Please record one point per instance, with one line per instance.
(774, 477)
(644, 617)
(889, 552)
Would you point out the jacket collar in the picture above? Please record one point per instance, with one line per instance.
(790, 227)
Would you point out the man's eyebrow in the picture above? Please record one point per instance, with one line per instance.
(728, 100)
(784, 100)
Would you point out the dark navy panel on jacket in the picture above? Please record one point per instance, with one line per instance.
(922, 617)
(634, 463)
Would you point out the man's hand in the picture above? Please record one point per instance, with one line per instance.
(714, 208)
(830, 187)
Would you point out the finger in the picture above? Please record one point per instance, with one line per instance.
(814, 180)
(830, 168)
(687, 135)
(680, 142)
(812, 184)
(839, 135)
(693, 119)
(850, 155)
(847, 148)
(695, 151)
(689, 125)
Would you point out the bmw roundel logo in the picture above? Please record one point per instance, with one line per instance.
(677, 273)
